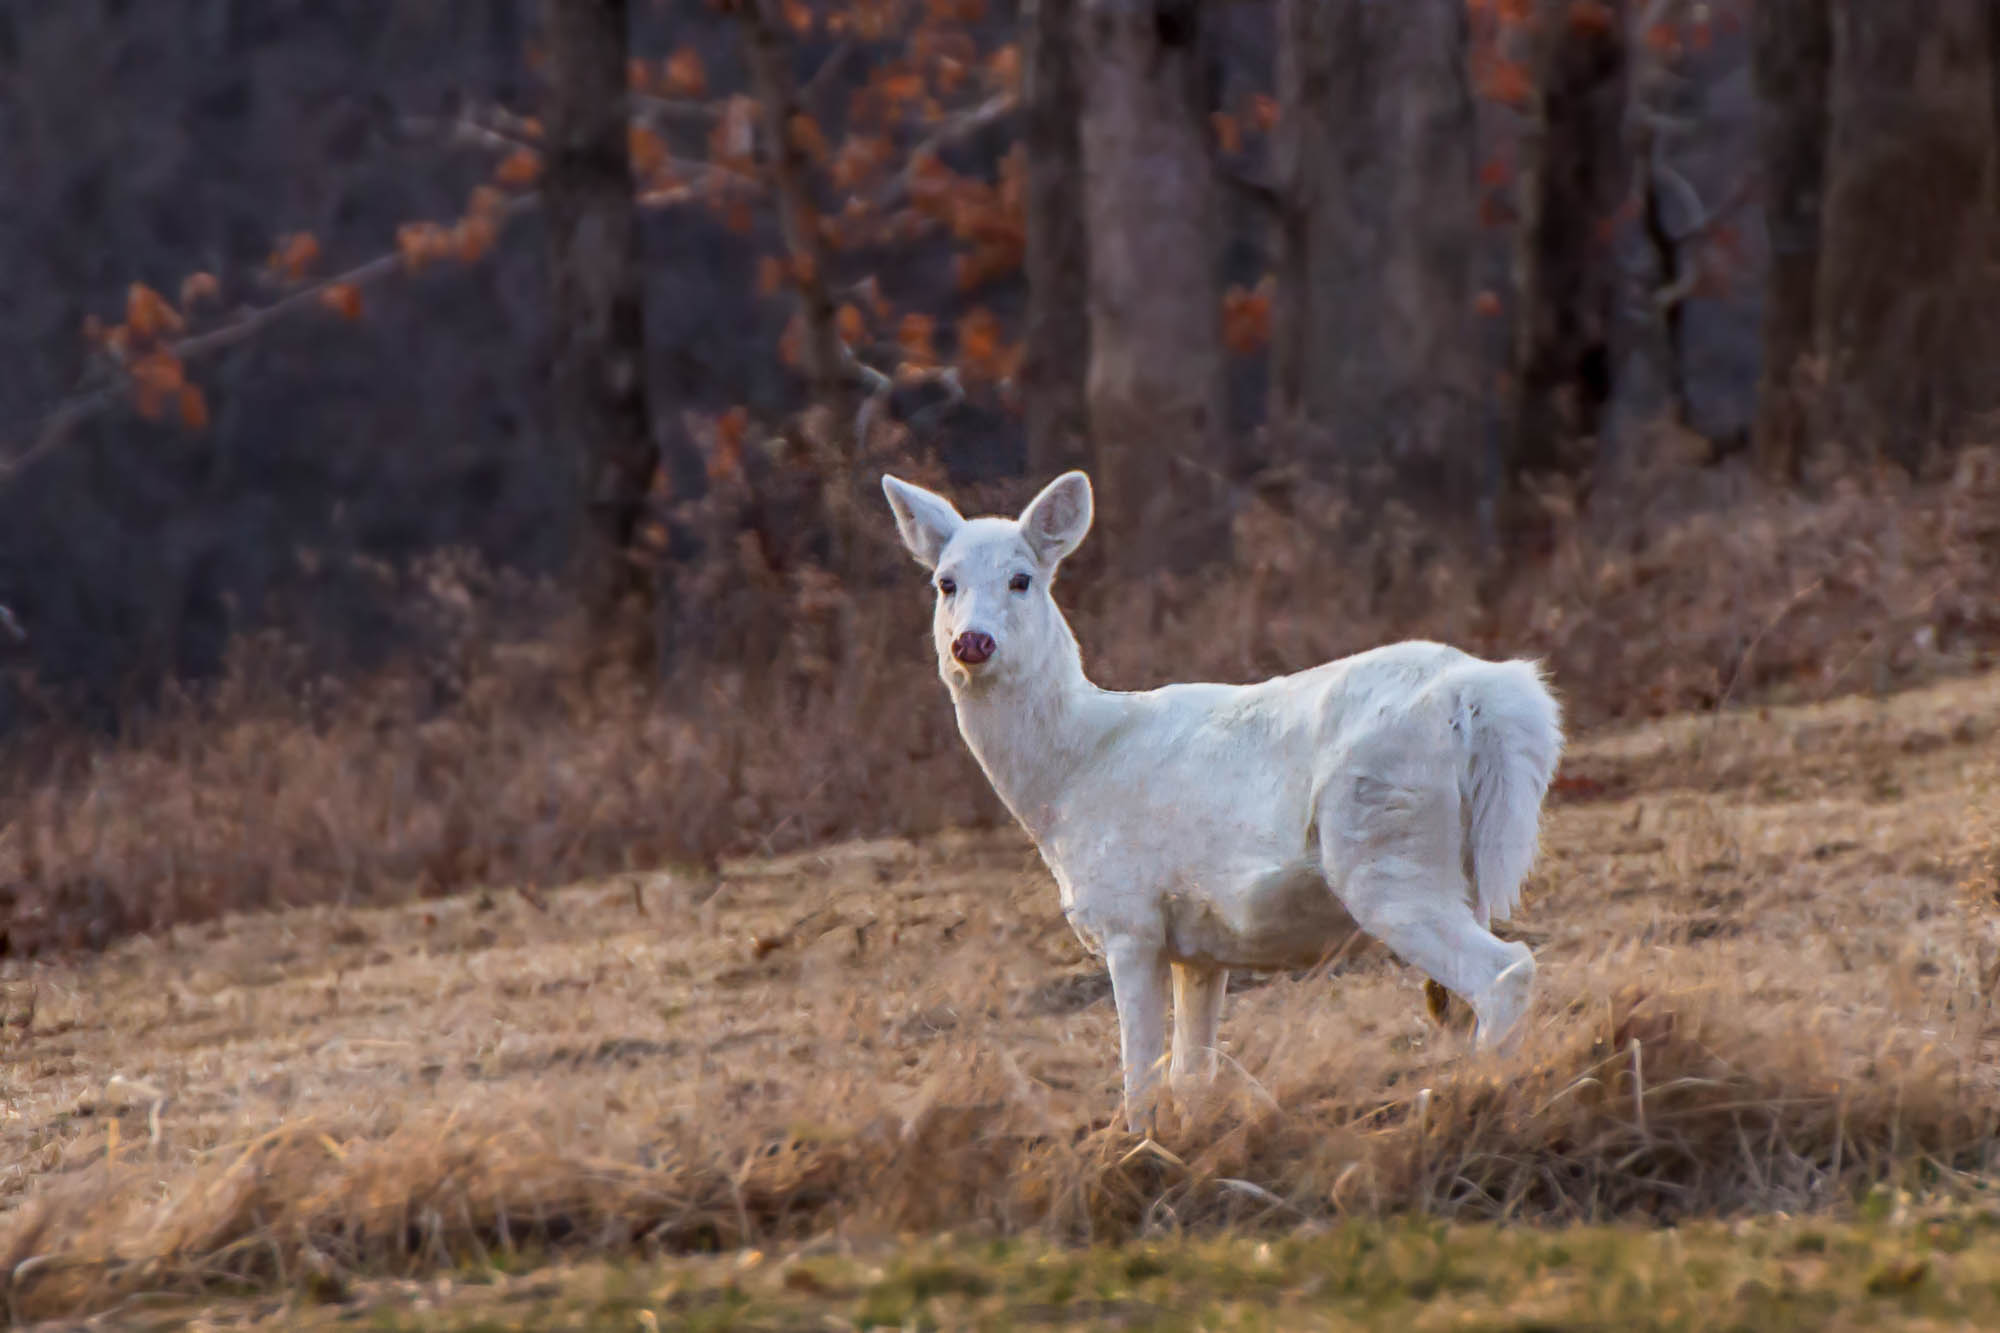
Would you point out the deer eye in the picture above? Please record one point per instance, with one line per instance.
(1019, 583)
(947, 586)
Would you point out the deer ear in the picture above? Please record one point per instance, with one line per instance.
(1054, 523)
(926, 521)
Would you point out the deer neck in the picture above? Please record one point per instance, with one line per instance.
(1036, 733)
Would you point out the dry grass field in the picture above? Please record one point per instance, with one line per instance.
(1768, 985)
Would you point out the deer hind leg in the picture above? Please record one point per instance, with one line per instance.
(1391, 853)
(1197, 1017)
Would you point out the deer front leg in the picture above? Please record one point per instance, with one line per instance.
(1139, 989)
(1197, 1017)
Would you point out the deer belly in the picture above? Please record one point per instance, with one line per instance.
(1286, 919)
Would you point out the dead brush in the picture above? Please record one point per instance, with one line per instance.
(490, 760)
(1627, 1104)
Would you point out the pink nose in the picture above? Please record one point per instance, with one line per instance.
(972, 647)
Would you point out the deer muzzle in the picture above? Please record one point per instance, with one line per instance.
(971, 648)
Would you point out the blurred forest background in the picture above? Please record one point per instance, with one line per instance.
(440, 442)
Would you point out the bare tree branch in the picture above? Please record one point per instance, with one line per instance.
(823, 77)
(58, 425)
(648, 106)
(961, 126)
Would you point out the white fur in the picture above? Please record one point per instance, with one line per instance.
(1196, 828)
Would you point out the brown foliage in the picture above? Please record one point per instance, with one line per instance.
(490, 764)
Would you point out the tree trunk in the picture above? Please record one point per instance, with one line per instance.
(1057, 350)
(598, 362)
(1155, 388)
(1791, 56)
(825, 499)
(1573, 177)
(1908, 328)
(1375, 343)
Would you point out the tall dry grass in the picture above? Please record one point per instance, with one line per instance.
(492, 763)
(1634, 1106)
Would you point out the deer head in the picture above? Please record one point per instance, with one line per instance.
(995, 618)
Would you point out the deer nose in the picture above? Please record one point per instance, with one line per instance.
(972, 647)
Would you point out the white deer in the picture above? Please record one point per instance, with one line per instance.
(1197, 828)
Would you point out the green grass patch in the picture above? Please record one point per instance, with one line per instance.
(1767, 1275)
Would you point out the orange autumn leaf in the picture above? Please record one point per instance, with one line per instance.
(806, 136)
(860, 159)
(197, 288)
(638, 76)
(1246, 318)
(1591, 18)
(770, 275)
(295, 255)
(804, 271)
(159, 369)
(900, 87)
(685, 76)
(419, 243)
(472, 238)
(931, 184)
(157, 380)
(147, 313)
(980, 352)
(484, 202)
(1228, 132)
(343, 299)
(1003, 69)
(799, 17)
(1487, 304)
(1264, 112)
(914, 335)
(193, 408)
(1506, 82)
(849, 324)
(648, 150)
(732, 431)
(733, 427)
(519, 169)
